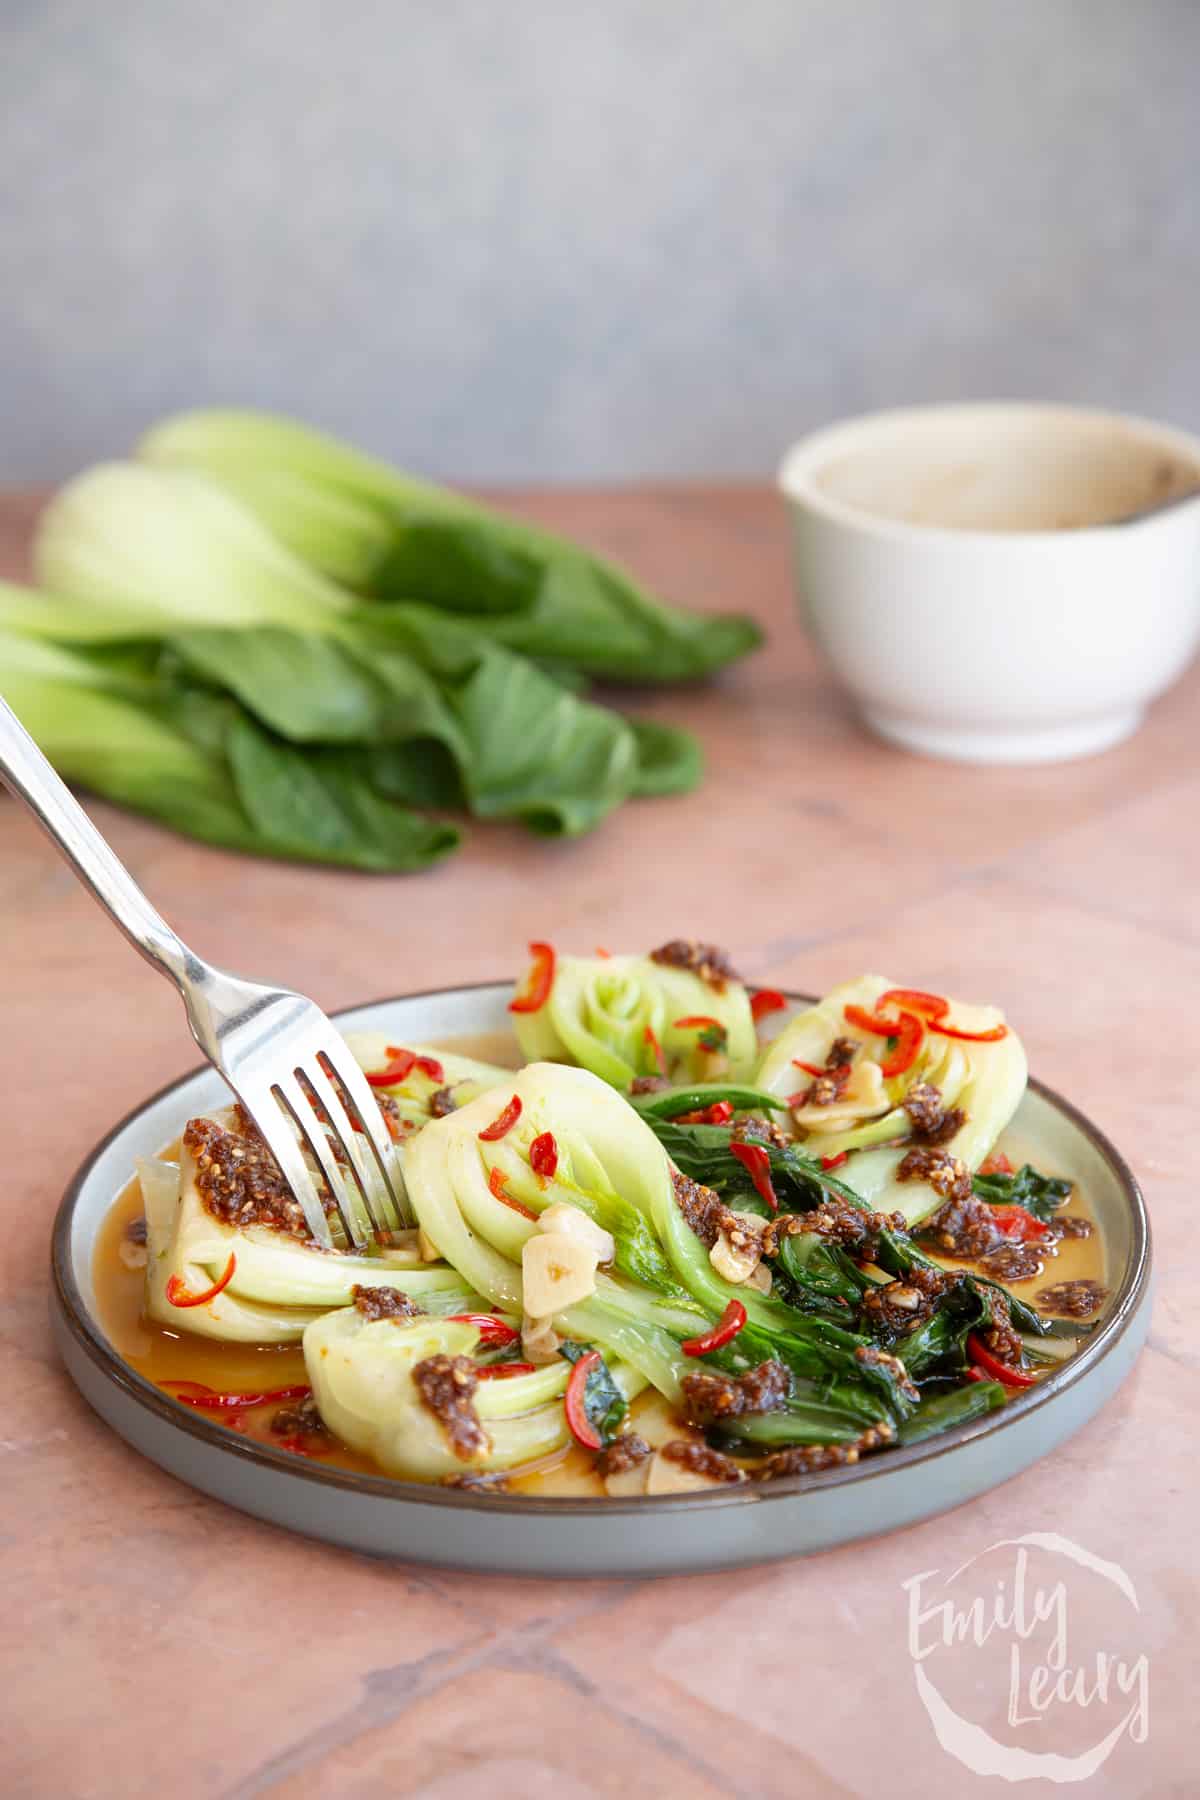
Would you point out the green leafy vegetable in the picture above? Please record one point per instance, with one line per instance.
(606, 1146)
(703, 1152)
(385, 534)
(1040, 1195)
(345, 607)
(627, 1016)
(938, 1347)
(984, 1079)
(669, 1103)
(941, 1412)
(198, 762)
(669, 760)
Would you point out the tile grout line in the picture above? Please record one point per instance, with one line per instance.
(388, 1693)
(553, 1662)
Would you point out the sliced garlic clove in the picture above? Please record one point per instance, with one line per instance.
(733, 1265)
(556, 1271)
(760, 1279)
(865, 1094)
(574, 1222)
(751, 1222)
(539, 1340)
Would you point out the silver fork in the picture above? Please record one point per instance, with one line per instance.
(277, 1050)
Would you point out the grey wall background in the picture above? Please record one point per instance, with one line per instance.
(576, 240)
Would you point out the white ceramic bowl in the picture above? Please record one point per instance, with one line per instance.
(959, 568)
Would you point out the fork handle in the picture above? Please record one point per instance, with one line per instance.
(25, 770)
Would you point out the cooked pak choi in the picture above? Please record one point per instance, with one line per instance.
(278, 1283)
(625, 1017)
(734, 1233)
(981, 1079)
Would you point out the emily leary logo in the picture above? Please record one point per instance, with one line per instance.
(1000, 1629)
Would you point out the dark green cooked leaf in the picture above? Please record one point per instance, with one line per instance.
(1040, 1195)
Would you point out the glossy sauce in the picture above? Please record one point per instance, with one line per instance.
(163, 1355)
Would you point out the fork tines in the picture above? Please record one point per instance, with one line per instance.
(325, 1106)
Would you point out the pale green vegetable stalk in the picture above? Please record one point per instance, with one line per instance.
(279, 1284)
(230, 1317)
(985, 1080)
(362, 1379)
(98, 731)
(198, 762)
(605, 1149)
(176, 550)
(608, 1013)
(465, 1076)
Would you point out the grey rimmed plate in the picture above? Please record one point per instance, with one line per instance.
(664, 1535)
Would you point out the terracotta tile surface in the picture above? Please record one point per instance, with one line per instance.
(160, 1643)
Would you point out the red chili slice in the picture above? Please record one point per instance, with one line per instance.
(491, 1329)
(179, 1295)
(719, 1113)
(995, 1368)
(402, 1062)
(400, 1066)
(500, 1192)
(543, 1155)
(1018, 1224)
(767, 1000)
(910, 1037)
(205, 1398)
(498, 1371)
(697, 1022)
(582, 1429)
(536, 991)
(997, 1164)
(933, 1009)
(867, 1021)
(726, 1328)
(660, 1062)
(907, 1029)
(757, 1165)
(503, 1122)
(971, 1037)
(606, 954)
(810, 1068)
(974, 1374)
(835, 1162)
(930, 1006)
